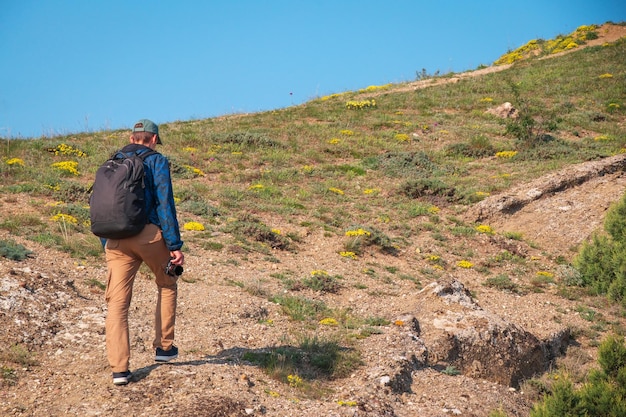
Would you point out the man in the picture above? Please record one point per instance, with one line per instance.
(157, 244)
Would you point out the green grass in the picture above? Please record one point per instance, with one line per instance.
(11, 250)
(323, 282)
(303, 366)
(93, 282)
(8, 376)
(18, 354)
(501, 282)
(300, 308)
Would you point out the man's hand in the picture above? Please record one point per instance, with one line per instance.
(177, 257)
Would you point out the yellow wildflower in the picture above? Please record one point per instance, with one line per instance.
(64, 218)
(64, 149)
(372, 88)
(371, 191)
(195, 226)
(465, 264)
(197, 172)
(329, 321)
(69, 167)
(384, 218)
(56, 187)
(359, 105)
(15, 161)
(330, 96)
(358, 232)
(483, 228)
(506, 154)
(586, 28)
(294, 380)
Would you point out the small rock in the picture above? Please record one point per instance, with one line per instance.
(245, 381)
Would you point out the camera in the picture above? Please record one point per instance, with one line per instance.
(173, 269)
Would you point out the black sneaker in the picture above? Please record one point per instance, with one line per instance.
(122, 378)
(166, 355)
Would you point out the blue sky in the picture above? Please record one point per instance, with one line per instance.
(72, 66)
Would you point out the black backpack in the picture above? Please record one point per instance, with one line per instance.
(117, 203)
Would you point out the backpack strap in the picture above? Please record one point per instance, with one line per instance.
(122, 155)
(146, 154)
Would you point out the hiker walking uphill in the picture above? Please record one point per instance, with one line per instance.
(153, 239)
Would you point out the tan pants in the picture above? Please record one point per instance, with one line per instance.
(124, 257)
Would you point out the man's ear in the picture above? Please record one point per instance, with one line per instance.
(131, 139)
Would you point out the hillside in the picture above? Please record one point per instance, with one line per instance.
(393, 251)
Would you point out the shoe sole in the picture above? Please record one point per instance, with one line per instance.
(165, 358)
(123, 378)
(121, 381)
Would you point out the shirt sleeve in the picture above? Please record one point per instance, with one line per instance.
(164, 202)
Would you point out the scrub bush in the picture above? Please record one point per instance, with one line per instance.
(604, 394)
(602, 262)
